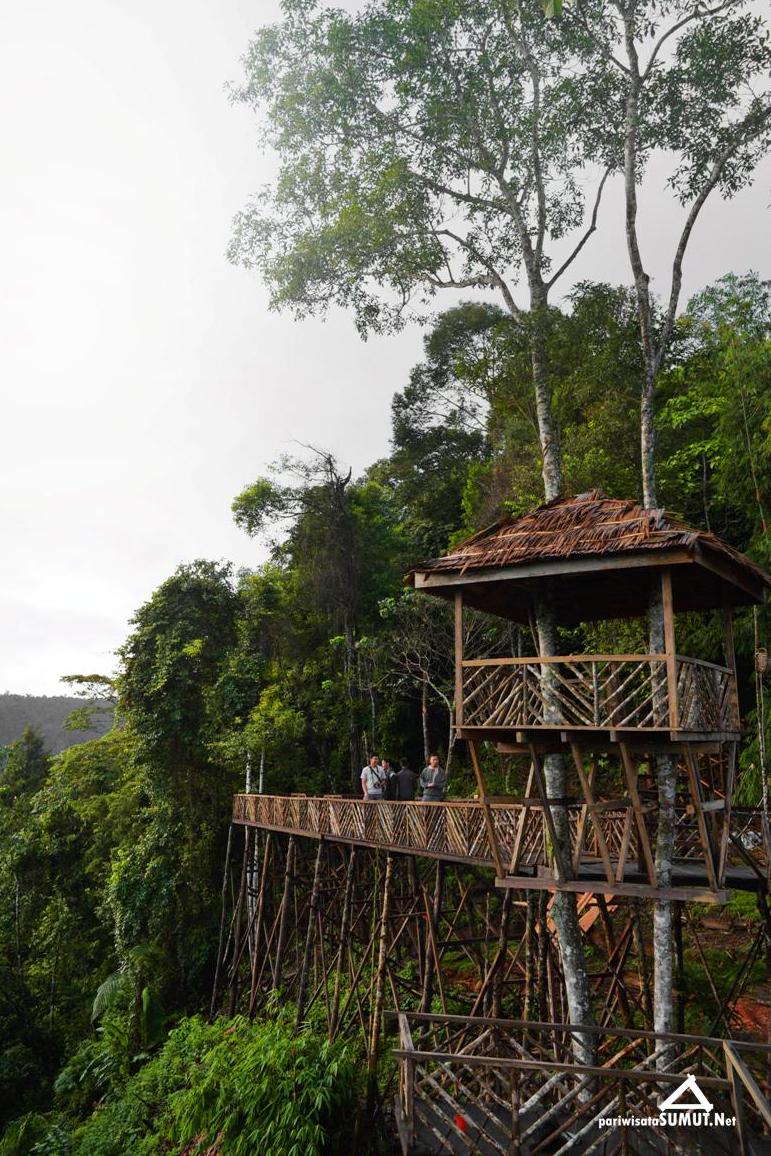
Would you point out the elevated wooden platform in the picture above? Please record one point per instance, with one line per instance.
(459, 832)
(491, 1087)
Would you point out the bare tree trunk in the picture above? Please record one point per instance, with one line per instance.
(353, 738)
(648, 441)
(666, 777)
(564, 911)
(666, 769)
(551, 466)
(424, 720)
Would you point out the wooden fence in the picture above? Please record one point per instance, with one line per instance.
(497, 1087)
(600, 691)
(605, 838)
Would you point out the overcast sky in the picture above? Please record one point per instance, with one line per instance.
(143, 380)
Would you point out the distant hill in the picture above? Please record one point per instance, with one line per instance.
(46, 713)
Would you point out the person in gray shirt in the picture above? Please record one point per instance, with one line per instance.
(433, 780)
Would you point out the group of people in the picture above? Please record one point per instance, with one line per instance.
(379, 780)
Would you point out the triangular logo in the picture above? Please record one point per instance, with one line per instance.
(674, 1102)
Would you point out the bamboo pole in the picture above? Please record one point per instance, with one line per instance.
(259, 922)
(432, 922)
(282, 931)
(309, 934)
(221, 944)
(345, 923)
(237, 927)
(379, 995)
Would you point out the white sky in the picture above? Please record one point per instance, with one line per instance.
(143, 382)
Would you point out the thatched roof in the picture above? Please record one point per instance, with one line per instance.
(614, 541)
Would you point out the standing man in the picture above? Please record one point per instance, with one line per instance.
(372, 779)
(390, 777)
(433, 780)
(404, 782)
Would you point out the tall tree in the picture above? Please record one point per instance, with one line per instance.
(421, 146)
(692, 81)
(329, 523)
(425, 146)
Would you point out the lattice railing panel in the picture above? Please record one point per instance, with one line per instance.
(706, 697)
(495, 1087)
(608, 833)
(598, 692)
(587, 691)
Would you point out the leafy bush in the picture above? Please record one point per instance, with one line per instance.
(238, 1087)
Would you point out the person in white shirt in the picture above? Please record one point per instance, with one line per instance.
(373, 779)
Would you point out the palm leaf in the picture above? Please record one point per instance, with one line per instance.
(107, 993)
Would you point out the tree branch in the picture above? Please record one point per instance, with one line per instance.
(755, 123)
(697, 12)
(497, 279)
(592, 228)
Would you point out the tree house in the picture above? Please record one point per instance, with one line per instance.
(587, 559)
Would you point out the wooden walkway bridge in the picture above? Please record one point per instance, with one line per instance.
(603, 840)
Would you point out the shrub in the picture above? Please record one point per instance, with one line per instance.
(236, 1087)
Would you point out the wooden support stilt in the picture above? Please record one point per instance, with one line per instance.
(643, 970)
(630, 773)
(309, 934)
(705, 835)
(530, 956)
(237, 922)
(259, 921)
(376, 1015)
(432, 923)
(284, 913)
(560, 854)
(345, 923)
(223, 921)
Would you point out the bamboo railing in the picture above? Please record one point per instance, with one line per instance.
(605, 838)
(600, 692)
(475, 1084)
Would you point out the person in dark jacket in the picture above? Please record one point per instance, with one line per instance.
(404, 782)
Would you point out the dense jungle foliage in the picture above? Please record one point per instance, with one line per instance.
(111, 852)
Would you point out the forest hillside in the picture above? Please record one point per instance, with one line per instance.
(47, 714)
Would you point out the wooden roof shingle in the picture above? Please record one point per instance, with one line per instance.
(605, 533)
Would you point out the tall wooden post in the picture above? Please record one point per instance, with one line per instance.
(379, 995)
(284, 917)
(310, 931)
(458, 659)
(237, 922)
(220, 947)
(433, 914)
(486, 811)
(258, 925)
(345, 923)
(669, 646)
